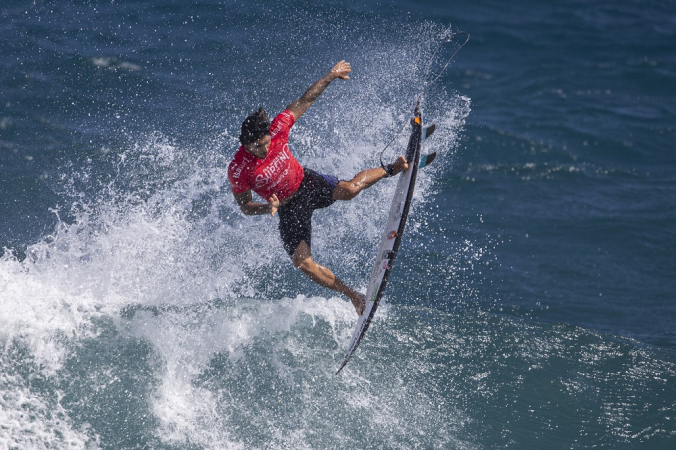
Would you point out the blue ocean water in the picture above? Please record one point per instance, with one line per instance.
(531, 306)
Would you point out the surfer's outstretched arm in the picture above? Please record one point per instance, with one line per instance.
(301, 105)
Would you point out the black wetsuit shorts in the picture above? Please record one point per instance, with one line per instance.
(295, 216)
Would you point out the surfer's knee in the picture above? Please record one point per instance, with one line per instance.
(346, 190)
(301, 262)
(307, 266)
(314, 271)
(352, 191)
(302, 257)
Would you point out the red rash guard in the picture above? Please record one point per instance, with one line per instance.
(279, 173)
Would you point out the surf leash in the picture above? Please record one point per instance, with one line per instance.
(445, 39)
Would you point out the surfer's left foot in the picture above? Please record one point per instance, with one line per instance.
(359, 303)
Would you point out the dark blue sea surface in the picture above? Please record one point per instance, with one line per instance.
(533, 302)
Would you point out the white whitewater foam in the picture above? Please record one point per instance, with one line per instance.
(159, 235)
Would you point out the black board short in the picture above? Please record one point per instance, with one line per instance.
(295, 217)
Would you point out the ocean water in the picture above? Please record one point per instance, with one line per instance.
(533, 303)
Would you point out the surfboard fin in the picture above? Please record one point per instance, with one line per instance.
(429, 130)
(426, 160)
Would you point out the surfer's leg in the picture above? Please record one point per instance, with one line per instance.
(347, 190)
(302, 259)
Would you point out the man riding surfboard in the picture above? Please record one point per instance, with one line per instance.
(264, 164)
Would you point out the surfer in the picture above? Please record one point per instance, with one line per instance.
(264, 164)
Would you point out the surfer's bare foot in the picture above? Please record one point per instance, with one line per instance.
(397, 167)
(359, 303)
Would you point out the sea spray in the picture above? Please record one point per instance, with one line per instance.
(154, 296)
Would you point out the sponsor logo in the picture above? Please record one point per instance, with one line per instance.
(239, 166)
(238, 170)
(272, 170)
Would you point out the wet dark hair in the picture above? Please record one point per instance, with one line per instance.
(254, 127)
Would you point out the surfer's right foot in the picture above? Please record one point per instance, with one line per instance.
(359, 303)
(398, 166)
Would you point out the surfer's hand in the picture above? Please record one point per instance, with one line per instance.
(274, 204)
(341, 70)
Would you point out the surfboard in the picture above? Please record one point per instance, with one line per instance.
(394, 230)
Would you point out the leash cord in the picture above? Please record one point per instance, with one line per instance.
(427, 83)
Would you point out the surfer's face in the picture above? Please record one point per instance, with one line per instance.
(259, 148)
